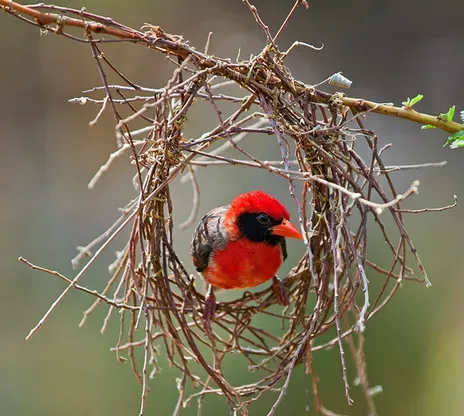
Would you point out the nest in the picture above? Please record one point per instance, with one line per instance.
(318, 141)
(344, 189)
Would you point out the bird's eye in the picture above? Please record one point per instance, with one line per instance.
(263, 219)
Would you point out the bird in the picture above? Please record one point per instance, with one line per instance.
(242, 245)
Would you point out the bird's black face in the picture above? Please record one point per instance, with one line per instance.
(257, 228)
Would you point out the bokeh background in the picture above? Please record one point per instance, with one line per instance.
(391, 50)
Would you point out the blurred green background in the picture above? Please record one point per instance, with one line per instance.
(390, 50)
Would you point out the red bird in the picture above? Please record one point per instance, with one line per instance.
(242, 245)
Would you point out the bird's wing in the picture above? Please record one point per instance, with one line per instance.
(209, 236)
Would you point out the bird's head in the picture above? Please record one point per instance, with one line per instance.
(260, 218)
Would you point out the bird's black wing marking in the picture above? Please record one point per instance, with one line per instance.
(209, 236)
(283, 245)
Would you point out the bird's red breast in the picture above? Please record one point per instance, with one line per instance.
(242, 245)
(243, 264)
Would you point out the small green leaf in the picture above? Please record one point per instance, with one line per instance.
(445, 117)
(457, 144)
(456, 140)
(412, 101)
(449, 115)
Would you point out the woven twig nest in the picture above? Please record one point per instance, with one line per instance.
(343, 197)
(329, 287)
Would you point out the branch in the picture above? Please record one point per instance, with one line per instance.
(360, 105)
(157, 38)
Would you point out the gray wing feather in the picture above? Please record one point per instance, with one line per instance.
(209, 236)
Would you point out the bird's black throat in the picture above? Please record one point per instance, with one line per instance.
(253, 230)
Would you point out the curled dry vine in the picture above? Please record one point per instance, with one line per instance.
(319, 135)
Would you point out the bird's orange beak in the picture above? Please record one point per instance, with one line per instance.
(286, 229)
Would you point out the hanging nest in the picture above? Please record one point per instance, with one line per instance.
(344, 193)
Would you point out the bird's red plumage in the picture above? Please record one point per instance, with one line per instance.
(225, 257)
(243, 264)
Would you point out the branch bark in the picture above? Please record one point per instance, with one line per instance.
(155, 37)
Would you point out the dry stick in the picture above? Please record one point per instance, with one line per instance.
(96, 53)
(79, 275)
(138, 228)
(170, 44)
(131, 351)
(108, 286)
(225, 387)
(295, 45)
(206, 163)
(195, 202)
(398, 221)
(354, 252)
(389, 169)
(97, 254)
(335, 236)
(360, 362)
(297, 352)
(291, 186)
(375, 309)
(390, 275)
(122, 88)
(208, 40)
(120, 336)
(115, 296)
(102, 109)
(227, 145)
(399, 280)
(133, 109)
(113, 156)
(306, 176)
(165, 93)
(45, 19)
(145, 364)
(285, 22)
(95, 293)
(120, 74)
(361, 263)
(143, 303)
(258, 19)
(85, 251)
(83, 100)
(420, 211)
(361, 321)
(181, 387)
(167, 240)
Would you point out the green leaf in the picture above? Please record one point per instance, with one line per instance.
(457, 144)
(449, 115)
(412, 101)
(456, 140)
